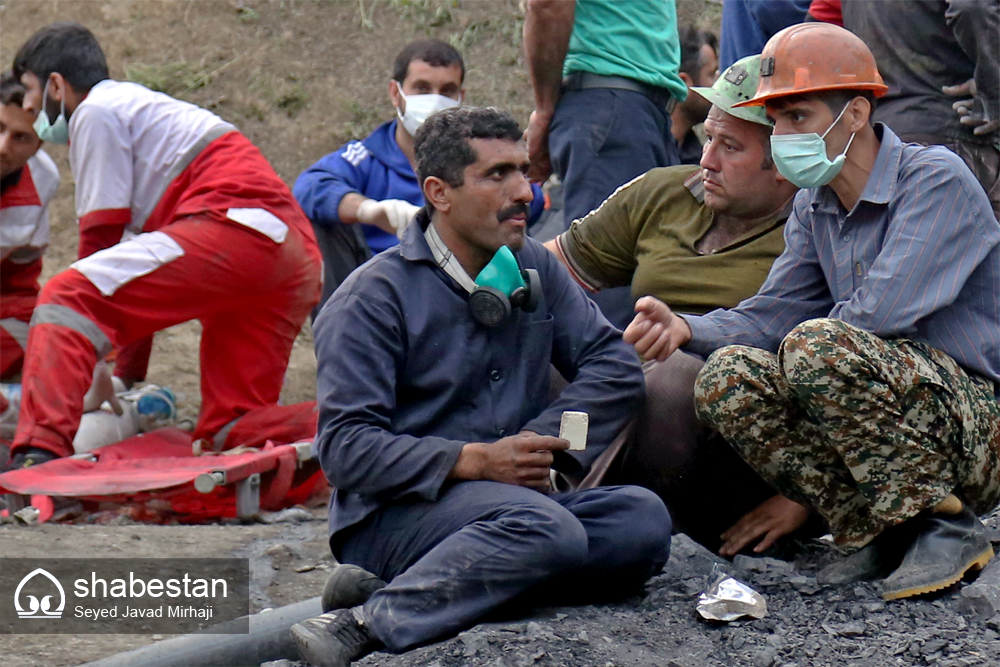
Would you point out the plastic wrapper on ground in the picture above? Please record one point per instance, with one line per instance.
(727, 599)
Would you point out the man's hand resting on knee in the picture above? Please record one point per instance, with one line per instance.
(655, 331)
(523, 460)
(774, 518)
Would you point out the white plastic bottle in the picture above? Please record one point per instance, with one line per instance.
(103, 427)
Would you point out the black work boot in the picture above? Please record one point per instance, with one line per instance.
(875, 560)
(30, 456)
(349, 586)
(950, 541)
(334, 639)
(24, 458)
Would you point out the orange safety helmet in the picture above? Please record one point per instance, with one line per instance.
(813, 57)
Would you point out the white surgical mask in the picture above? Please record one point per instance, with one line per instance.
(420, 107)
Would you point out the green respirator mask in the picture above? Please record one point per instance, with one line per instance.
(501, 286)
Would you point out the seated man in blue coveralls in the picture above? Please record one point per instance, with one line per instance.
(435, 425)
(372, 181)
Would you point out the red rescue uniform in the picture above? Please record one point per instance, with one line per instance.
(24, 235)
(181, 218)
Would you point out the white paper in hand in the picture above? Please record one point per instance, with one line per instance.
(574, 427)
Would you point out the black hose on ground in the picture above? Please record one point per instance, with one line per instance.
(268, 640)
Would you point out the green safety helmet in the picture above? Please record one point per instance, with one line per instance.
(737, 84)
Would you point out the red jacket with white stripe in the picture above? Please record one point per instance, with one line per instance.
(24, 234)
(142, 160)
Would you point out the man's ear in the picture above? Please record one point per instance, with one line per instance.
(58, 87)
(61, 91)
(860, 110)
(688, 81)
(394, 96)
(437, 193)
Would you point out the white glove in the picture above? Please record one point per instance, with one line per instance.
(389, 214)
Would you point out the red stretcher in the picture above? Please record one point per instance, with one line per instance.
(161, 466)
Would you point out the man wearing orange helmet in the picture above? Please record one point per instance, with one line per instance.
(862, 379)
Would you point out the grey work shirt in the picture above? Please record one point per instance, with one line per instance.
(406, 377)
(918, 257)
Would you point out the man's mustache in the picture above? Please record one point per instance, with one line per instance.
(511, 211)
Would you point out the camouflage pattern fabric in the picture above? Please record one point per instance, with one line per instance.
(867, 431)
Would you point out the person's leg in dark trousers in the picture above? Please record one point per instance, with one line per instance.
(344, 249)
(701, 478)
(600, 139)
(484, 543)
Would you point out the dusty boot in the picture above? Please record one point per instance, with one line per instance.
(30, 456)
(951, 540)
(334, 639)
(349, 586)
(873, 561)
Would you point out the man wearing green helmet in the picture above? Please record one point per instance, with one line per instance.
(700, 238)
(862, 379)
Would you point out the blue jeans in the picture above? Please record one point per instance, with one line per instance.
(600, 139)
(483, 544)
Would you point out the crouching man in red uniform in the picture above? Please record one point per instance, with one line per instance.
(28, 181)
(181, 218)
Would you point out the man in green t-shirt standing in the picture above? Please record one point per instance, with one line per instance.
(702, 238)
(605, 79)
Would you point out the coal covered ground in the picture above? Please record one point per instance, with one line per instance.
(806, 626)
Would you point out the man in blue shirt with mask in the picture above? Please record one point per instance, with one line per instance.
(435, 425)
(861, 380)
(372, 181)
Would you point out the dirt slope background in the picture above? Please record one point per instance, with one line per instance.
(301, 77)
(298, 77)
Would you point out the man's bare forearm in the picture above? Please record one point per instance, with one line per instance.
(547, 28)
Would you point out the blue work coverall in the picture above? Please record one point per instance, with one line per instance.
(406, 378)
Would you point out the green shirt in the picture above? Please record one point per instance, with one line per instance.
(644, 235)
(631, 38)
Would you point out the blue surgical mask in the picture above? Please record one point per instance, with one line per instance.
(54, 133)
(801, 158)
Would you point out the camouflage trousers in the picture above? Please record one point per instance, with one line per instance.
(866, 431)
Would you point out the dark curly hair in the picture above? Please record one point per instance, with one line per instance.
(441, 145)
(11, 90)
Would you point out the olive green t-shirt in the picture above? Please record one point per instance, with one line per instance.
(644, 235)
